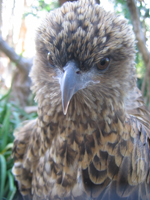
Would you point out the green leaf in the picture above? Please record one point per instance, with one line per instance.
(11, 181)
(2, 174)
(12, 188)
(6, 96)
(5, 128)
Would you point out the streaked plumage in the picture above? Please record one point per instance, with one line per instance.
(91, 137)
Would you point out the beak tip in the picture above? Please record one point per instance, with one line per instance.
(65, 112)
(65, 108)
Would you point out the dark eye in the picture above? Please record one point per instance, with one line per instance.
(49, 58)
(103, 63)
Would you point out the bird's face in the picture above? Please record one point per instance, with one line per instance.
(84, 51)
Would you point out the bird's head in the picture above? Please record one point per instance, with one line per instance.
(83, 53)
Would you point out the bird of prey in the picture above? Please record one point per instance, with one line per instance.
(91, 139)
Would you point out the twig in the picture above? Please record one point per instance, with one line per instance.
(30, 109)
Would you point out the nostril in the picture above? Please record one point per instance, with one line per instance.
(78, 72)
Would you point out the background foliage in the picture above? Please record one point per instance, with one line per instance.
(11, 117)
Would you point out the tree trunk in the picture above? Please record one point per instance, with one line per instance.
(141, 43)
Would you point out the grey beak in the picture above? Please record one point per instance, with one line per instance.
(70, 83)
(72, 80)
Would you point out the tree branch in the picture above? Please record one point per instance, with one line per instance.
(21, 63)
(21, 81)
(63, 1)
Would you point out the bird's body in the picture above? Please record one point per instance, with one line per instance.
(91, 137)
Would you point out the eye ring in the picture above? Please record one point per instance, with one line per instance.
(103, 63)
(49, 58)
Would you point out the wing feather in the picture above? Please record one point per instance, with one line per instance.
(126, 166)
(21, 143)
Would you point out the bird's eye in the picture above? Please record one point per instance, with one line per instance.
(103, 63)
(49, 58)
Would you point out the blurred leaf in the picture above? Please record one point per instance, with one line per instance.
(3, 174)
(12, 187)
(42, 6)
(5, 128)
(6, 96)
(11, 116)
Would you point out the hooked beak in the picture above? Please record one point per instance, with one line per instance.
(70, 83)
(72, 80)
